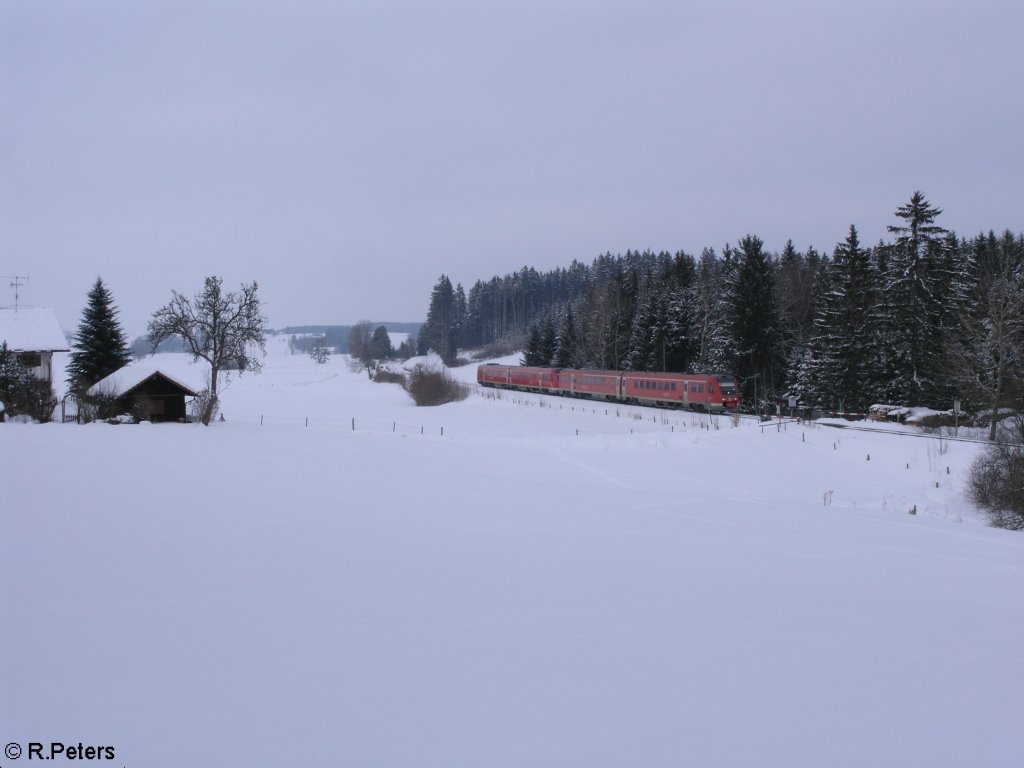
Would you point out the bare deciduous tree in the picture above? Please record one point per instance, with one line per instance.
(223, 328)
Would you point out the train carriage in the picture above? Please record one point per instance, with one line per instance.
(518, 377)
(710, 392)
(601, 385)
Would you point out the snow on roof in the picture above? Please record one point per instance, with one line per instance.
(32, 329)
(175, 367)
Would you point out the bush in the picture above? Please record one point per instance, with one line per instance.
(996, 479)
(429, 387)
(21, 393)
(38, 400)
(388, 376)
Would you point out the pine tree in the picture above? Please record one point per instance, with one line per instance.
(839, 370)
(440, 332)
(532, 355)
(986, 357)
(380, 344)
(548, 341)
(676, 316)
(14, 380)
(914, 293)
(100, 345)
(567, 349)
(755, 322)
(642, 339)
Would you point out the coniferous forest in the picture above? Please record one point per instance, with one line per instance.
(925, 318)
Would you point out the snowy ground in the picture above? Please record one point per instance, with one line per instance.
(549, 583)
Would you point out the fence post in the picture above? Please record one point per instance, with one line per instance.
(353, 423)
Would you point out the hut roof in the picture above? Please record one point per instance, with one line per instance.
(122, 381)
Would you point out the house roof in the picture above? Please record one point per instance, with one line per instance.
(32, 329)
(122, 381)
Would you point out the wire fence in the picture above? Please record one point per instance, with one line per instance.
(351, 424)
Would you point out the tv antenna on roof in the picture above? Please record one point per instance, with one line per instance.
(16, 282)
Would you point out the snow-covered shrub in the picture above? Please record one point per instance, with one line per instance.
(996, 479)
(432, 387)
(387, 375)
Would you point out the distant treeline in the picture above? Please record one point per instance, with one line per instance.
(338, 336)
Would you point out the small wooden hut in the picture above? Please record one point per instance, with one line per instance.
(145, 392)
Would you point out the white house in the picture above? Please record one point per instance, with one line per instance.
(33, 334)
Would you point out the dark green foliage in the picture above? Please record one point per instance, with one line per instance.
(441, 331)
(14, 379)
(100, 345)
(985, 358)
(380, 344)
(21, 393)
(844, 352)
(913, 293)
(755, 322)
(532, 355)
(567, 353)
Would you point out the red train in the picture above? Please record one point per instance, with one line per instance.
(700, 391)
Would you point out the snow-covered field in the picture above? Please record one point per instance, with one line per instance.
(548, 583)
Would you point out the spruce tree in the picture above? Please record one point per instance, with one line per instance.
(100, 345)
(440, 332)
(567, 349)
(844, 352)
(532, 351)
(755, 322)
(914, 292)
(548, 341)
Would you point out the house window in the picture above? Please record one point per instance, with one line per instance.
(30, 359)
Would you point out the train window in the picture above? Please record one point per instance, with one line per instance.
(711, 387)
(686, 386)
(700, 387)
(673, 386)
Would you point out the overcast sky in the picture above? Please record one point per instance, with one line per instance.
(345, 154)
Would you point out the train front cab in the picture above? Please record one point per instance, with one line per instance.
(730, 392)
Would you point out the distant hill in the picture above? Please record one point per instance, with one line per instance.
(335, 335)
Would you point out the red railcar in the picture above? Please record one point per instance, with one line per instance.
(712, 392)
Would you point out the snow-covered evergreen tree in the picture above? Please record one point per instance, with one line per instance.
(567, 349)
(914, 289)
(532, 352)
(839, 369)
(100, 345)
(755, 322)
